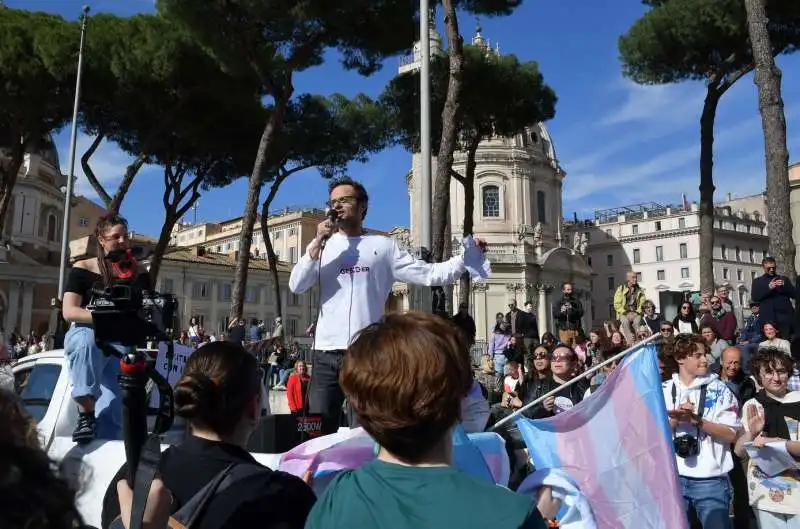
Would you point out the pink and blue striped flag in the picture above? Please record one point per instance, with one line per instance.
(616, 446)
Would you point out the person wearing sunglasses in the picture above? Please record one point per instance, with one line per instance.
(686, 320)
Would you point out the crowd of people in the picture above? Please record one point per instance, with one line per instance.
(728, 390)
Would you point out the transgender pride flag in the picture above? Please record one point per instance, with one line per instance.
(616, 446)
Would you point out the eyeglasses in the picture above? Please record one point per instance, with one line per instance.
(540, 356)
(667, 329)
(342, 200)
(561, 358)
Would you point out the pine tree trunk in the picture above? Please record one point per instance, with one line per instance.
(465, 282)
(271, 257)
(274, 123)
(773, 121)
(707, 187)
(9, 180)
(444, 160)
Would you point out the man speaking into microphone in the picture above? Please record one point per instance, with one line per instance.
(355, 272)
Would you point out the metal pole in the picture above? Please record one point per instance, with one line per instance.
(573, 381)
(425, 125)
(73, 138)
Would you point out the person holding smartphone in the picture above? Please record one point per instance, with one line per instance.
(774, 293)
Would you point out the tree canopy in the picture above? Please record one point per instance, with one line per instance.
(500, 96)
(38, 56)
(705, 40)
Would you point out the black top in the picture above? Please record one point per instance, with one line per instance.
(236, 334)
(273, 500)
(82, 281)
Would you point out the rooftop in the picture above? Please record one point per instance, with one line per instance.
(228, 260)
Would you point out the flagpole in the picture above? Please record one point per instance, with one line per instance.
(575, 380)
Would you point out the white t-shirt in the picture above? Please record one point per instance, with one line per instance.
(721, 407)
(356, 275)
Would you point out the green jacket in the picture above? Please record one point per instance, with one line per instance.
(621, 300)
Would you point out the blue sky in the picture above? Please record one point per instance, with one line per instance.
(620, 143)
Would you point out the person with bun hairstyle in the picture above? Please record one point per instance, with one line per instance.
(90, 371)
(219, 395)
(406, 377)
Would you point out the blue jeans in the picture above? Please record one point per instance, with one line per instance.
(774, 520)
(711, 499)
(94, 374)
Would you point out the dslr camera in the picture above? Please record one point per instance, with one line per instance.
(686, 446)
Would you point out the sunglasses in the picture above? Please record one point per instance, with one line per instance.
(541, 356)
(666, 329)
(561, 358)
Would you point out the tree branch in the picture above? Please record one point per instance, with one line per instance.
(455, 174)
(127, 180)
(87, 170)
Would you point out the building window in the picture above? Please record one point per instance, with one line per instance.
(83, 222)
(276, 235)
(752, 255)
(685, 273)
(719, 224)
(659, 253)
(739, 275)
(251, 294)
(661, 275)
(612, 312)
(738, 254)
(51, 228)
(724, 251)
(635, 229)
(293, 254)
(291, 327)
(589, 260)
(638, 277)
(637, 256)
(541, 207)
(752, 275)
(658, 225)
(225, 291)
(292, 232)
(610, 260)
(764, 254)
(681, 222)
(611, 282)
(167, 286)
(725, 273)
(491, 201)
(200, 290)
(684, 250)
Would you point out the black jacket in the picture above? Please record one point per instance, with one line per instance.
(776, 303)
(524, 323)
(572, 319)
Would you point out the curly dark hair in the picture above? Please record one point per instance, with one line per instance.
(770, 358)
(685, 344)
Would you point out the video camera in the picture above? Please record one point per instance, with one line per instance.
(126, 315)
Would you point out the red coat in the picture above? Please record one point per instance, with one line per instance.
(294, 391)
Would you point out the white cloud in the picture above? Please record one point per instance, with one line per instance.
(108, 164)
(665, 103)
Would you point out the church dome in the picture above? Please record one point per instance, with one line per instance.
(46, 149)
(537, 138)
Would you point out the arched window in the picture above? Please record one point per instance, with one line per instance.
(51, 228)
(541, 207)
(491, 201)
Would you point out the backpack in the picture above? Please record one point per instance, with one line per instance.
(189, 515)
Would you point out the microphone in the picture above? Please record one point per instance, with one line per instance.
(332, 216)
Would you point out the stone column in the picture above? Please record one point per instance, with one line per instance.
(186, 299)
(27, 308)
(214, 307)
(542, 310)
(479, 293)
(12, 311)
(588, 314)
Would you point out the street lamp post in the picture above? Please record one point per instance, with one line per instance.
(425, 125)
(73, 138)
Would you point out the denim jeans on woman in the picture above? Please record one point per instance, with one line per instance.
(94, 374)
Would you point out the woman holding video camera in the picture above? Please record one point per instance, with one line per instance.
(99, 411)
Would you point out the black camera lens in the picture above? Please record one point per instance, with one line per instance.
(686, 446)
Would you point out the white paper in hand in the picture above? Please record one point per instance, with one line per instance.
(772, 458)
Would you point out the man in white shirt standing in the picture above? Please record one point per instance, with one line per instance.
(355, 272)
(703, 416)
